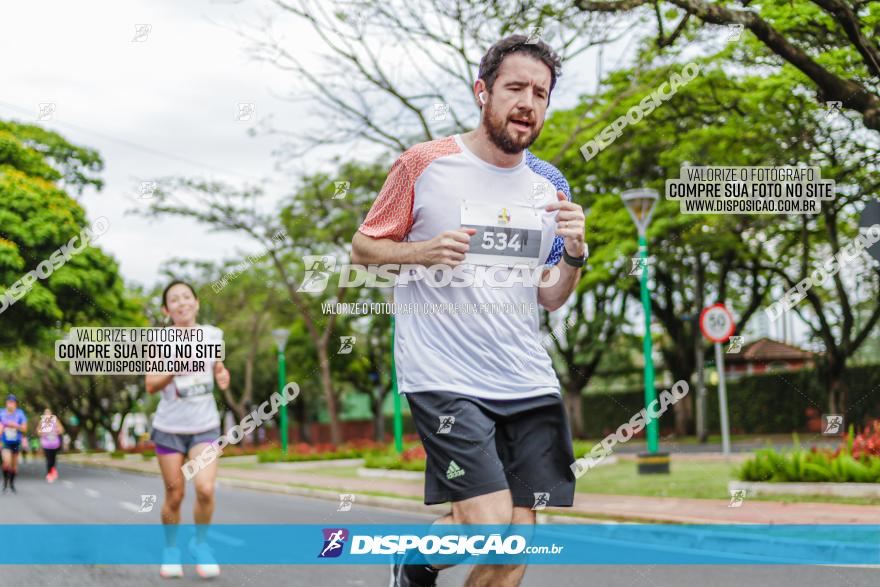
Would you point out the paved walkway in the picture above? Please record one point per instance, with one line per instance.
(624, 507)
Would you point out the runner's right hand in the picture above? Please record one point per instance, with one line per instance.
(447, 248)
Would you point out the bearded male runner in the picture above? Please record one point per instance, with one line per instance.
(481, 388)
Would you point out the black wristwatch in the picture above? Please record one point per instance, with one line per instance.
(573, 261)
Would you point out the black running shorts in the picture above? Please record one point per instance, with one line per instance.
(477, 446)
(15, 447)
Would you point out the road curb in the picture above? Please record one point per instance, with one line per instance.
(390, 474)
(808, 489)
(298, 465)
(395, 503)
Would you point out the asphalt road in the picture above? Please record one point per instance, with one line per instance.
(94, 496)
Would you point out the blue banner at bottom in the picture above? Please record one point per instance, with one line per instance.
(356, 544)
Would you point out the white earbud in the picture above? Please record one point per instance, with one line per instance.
(482, 97)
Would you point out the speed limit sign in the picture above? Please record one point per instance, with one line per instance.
(716, 322)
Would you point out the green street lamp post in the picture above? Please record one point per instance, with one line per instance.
(640, 203)
(280, 335)
(398, 417)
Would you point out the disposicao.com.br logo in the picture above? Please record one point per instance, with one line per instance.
(450, 544)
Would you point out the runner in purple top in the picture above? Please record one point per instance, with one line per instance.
(50, 431)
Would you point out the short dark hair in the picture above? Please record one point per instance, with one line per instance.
(491, 61)
(172, 284)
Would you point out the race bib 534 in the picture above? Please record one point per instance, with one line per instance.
(507, 235)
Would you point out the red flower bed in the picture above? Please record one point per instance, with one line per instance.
(354, 447)
(365, 444)
(868, 442)
(416, 453)
(312, 449)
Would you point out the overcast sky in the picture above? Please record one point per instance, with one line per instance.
(162, 103)
(163, 106)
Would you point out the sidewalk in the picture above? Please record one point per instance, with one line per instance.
(588, 507)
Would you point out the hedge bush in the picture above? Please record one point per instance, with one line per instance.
(412, 459)
(323, 451)
(857, 460)
(765, 403)
(809, 466)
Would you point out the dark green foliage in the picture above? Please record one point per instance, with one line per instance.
(767, 403)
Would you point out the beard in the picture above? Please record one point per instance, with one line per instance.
(503, 138)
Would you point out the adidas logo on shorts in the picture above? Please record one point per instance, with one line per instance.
(454, 471)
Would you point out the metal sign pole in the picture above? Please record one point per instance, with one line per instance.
(722, 400)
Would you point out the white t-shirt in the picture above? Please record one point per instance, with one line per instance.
(434, 187)
(187, 403)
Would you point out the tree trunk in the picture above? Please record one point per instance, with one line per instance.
(378, 419)
(92, 438)
(73, 433)
(837, 389)
(683, 410)
(248, 393)
(246, 408)
(114, 432)
(329, 396)
(301, 413)
(574, 408)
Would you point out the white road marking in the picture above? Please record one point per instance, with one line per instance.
(132, 507)
(92, 493)
(68, 484)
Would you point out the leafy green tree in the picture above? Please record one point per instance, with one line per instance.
(832, 44)
(38, 222)
(316, 225)
(368, 370)
(716, 119)
(583, 335)
(801, 248)
(37, 219)
(42, 153)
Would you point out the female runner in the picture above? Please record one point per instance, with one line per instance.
(185, 424)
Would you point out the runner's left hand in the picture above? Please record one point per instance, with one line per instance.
(569, 224)
(221, 374)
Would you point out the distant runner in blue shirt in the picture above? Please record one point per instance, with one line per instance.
(13, 424)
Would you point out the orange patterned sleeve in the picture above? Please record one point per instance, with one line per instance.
(391, 213)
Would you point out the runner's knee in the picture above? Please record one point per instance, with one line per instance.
(173, 497)
(205, 493)
(494, 508)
